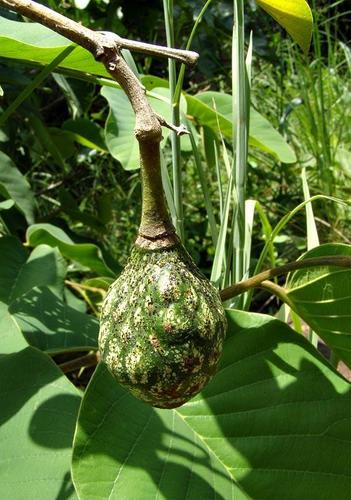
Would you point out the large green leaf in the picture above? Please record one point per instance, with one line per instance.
(32, 305)
(322, 297)
(13, 257)
(276, 418)
(38, 412)
(15, 186)
(213, 109)
(32, 42)
(87, 254)
(284, 412)
(43, 267)
(126, 449)
(119, 127)
(295, 16)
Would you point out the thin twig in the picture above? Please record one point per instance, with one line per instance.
(336, 231)
(187, 57)
(86, 361)
(54, 185)
(179, 130)
(78, 286)
(79, 289)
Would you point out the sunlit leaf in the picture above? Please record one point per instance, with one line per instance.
(20, 271)
(6, 205)
(119, 127)
(81, 4)
(51, 325)
(214, 109)
(276, 419)
(295, 16)
(11, 338)
(126, 449)
(32, 42)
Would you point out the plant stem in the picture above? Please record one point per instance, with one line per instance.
(276, 290)
(180, 80)
(240, 135)
(255, 281)
(86, 361)
(155, 222)
(205, 190)
(176, 93)
(325, 162)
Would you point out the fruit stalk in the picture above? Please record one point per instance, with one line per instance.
(156, 229)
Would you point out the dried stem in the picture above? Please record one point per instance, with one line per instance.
(256, 281)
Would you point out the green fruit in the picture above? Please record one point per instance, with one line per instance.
(162, 327)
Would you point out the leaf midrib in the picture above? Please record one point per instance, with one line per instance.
(212, 453)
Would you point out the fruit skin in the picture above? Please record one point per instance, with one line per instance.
(162, 327)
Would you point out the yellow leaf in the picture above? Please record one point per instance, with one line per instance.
(295, 16)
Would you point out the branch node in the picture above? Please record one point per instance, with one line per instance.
(111, 40)
(99, 53)
(148, 132)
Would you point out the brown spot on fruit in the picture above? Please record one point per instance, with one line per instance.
(155, 343)
(191, 363)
